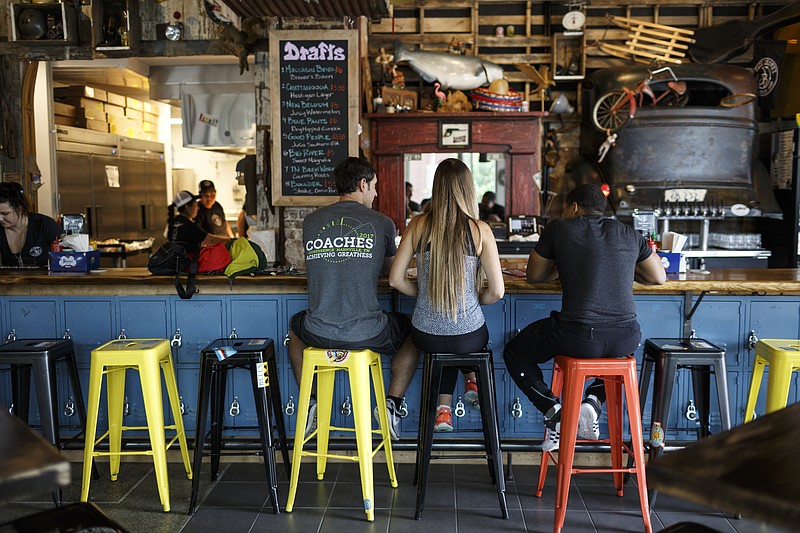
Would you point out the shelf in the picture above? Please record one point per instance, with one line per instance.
(40, 24)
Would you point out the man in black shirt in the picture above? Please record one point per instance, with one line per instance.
(489, 211)
(211, 215)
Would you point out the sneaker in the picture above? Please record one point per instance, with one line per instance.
(444, 419)
(311, 423)
(394, 418)
(588, 427)
(471, 392)
(552, 435)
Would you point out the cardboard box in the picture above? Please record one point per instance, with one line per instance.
(97, 125)
(149, 107)
(112, 109)
(150, 117)
(133, 114)
(149, 127)
(673, 262)
(61, 120)
(65, 110)
(116, 99)
(80, 91)
(88, 105)
(74, 261)
(133, 103)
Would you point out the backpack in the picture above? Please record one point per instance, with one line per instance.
(246, 257)
(172, 258)
(213, 259)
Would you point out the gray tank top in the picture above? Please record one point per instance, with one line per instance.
(470, 315)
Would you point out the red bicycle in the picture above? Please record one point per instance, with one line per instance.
(616, 108)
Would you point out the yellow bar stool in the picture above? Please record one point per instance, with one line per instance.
(114, 359)
(783, 356)
(359, 364)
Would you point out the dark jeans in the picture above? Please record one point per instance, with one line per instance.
(542, 340)
(474, 341)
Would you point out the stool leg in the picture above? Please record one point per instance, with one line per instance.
(555, 386)
(721, 376)
(428, 406)
(377, 384)
(488, 408)
(664, 385)
(701, 387)
(265, 431)
(637, 443)
(44, 377)
(424, 414)
(75, 381)
(200, 427)
(755, 385)
(219, 383)
(154, 409)
(115, 397)
(644, 386)
(360, 391)
(570, 411)
(21, 390)
(175, 405)
(303, 398)
(614, 409)
(324, 406)
(778, 381)
(95, 383)
(276, 403)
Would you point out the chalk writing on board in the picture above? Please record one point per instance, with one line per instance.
(313, 114)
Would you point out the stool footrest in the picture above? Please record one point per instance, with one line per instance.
(109, 454)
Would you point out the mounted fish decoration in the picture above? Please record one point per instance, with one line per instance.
(452, 71)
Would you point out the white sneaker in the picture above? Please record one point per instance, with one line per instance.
(552, 438)
(394, 418)
(588, 426)
(311, 422)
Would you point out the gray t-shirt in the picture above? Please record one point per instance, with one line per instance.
(345, 246)
(596, 258)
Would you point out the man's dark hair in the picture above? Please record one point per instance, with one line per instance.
(489, 196)
(589, 197)
(349, 172)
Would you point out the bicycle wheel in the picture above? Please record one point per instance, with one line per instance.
(612, 111)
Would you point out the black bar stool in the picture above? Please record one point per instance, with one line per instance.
(481, 363)
(41, 356)
(670, 355)
(250, 354)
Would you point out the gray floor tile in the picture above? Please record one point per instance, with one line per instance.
(623, 521)
(349, 495)
(526, 494)
(298, 521)
(437, 496)
(483, 520)
(440, 520)
(309, 495)
(238, 495)
(542, 521)
(233, 519)
(714, 521)
(481, 496)
(337, 520)
(605, 498)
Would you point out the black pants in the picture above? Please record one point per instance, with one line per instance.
(542, 340)
(474, 341)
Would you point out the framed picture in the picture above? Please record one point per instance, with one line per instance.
(455, 134)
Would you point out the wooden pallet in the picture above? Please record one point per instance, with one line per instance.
(648, 41)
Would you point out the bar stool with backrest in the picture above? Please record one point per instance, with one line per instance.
(149, 357)
(41, 357)
(359, 364)
(215, 361)
(783, 358)
(569, 377)
(481, 363)
(670, 355)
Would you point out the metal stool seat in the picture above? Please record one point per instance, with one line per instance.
(481, 363)
(41, 356)
(250, 354)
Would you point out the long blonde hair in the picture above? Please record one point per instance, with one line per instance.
(453, 205)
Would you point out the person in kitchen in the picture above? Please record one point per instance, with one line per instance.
(348, 245)
(26, 237)
(211, 215)
(453, 251)
(489, 210)
(597, 260)
(183, 227)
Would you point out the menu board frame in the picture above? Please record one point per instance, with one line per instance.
(281, 144)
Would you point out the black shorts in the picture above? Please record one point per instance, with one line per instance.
(387, 342)
(472, 342)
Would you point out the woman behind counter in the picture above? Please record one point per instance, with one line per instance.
(452, 248)
(183, 229)
(26, 237)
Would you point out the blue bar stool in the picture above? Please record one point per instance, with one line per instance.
(250, 354)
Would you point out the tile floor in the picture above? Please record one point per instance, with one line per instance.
(460, 498)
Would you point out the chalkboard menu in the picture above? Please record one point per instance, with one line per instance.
(313, 112)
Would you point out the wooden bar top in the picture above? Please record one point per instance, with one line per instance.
(140, 281)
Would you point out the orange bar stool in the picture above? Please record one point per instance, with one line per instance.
(149, 357)
(359, 364)
(570, 374)
(783, 357)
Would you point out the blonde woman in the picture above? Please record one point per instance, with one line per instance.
(453, 249)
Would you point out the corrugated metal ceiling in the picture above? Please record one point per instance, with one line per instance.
(374, 9)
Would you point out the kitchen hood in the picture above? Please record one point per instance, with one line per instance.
(217, 104)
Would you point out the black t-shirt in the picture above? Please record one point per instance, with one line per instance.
(42, 230)
(188, 233)
(212, 219)
(596, 258)
(496, 209)
(248, 166)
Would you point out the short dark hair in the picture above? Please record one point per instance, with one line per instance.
(11, 193)
(489, 196)
(589, 197)
(349, 172)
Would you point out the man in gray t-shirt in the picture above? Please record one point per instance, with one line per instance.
(597, 260)
(348, 246)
